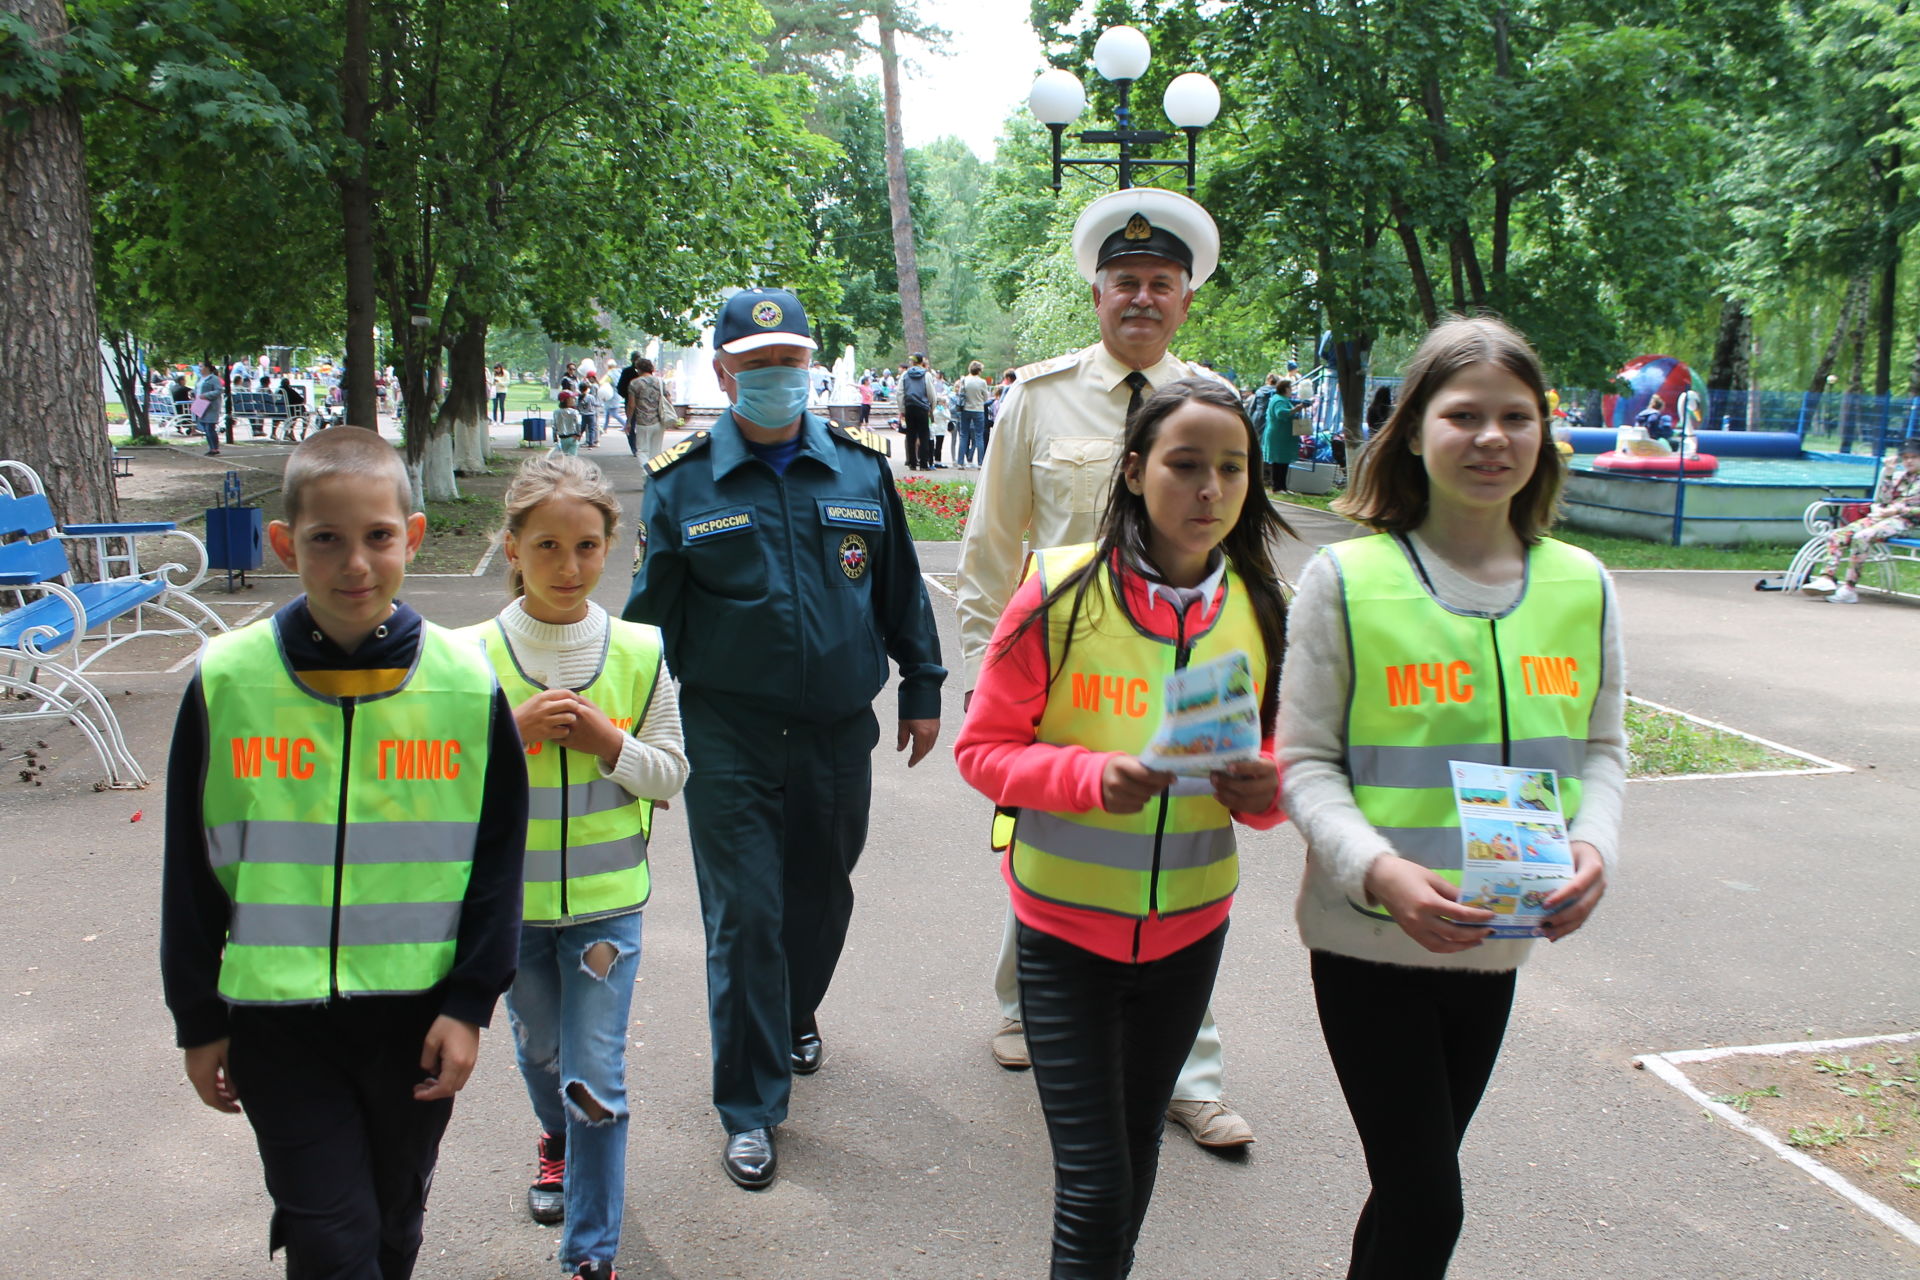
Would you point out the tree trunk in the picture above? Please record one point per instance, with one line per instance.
(1850, 404)
(123, 366)
(1729, 372)
(1889, 278)
(1416, 264)
(463, 414)
(52, 413)
(913, 321)
(356, 217)
(1851, 308)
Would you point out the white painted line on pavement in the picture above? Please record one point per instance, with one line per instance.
(1663, 1066)
(1820, 763)
(938, 585)
(480, 569)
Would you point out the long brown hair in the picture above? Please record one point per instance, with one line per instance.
(1389, 491)
(1125, 527)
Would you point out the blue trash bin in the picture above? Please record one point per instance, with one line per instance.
(533, 430)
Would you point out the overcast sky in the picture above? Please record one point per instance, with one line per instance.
(990, 62)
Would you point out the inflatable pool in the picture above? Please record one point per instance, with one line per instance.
(1659, 464)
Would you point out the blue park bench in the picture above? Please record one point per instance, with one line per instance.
(54, 624)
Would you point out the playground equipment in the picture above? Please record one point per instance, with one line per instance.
(1643, 424)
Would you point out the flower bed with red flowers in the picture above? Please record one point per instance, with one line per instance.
(936, 510)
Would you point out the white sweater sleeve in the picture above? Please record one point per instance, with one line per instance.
(1315, 684)
(653, 762)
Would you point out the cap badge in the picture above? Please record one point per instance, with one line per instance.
(1138, 228)
(767, 314)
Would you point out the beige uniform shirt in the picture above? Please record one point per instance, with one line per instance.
(1048, 471)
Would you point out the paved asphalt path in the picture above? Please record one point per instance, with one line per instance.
(1746, 911)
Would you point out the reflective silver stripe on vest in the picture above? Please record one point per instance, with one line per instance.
(312, 845)
(1436, 848)
(543, 865)
(1427, 766)
(273, 924)
(602, 795)
(1122, 850)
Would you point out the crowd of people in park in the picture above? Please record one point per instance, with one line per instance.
(377, 827)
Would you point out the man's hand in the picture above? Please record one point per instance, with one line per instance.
(1425, 906)
(207, 1073)
(1580, 894)
(922, 733)
(1126, 785)
(1247, 786)
(449, 1053)
(547, 715)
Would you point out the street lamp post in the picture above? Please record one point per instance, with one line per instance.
(1121, 54)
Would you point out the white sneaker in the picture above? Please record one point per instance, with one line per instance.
(1819, 585)
(1844, 595)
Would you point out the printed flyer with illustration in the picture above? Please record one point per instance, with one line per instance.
(1211, 720)
(1513, 843)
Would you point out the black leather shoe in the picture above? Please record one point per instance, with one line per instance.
(750, 1159)
(808, 1053)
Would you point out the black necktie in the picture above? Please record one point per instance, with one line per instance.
(1138, 382)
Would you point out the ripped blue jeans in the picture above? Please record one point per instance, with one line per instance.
(570, 1037)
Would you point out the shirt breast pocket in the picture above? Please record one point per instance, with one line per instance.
(851, 531)
(1076, 471)
(724, 554)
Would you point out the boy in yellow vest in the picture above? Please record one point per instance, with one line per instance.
(346, 819)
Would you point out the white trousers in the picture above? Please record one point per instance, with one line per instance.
(1200, 1077)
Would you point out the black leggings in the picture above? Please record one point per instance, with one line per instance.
(1413, 1049)
(1107, 1041)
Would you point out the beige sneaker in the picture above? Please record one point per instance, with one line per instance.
(1010, 1045)
(1212, 1124)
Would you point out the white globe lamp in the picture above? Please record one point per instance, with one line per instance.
(1122, 53)
(1192, 101)
(1057, 98)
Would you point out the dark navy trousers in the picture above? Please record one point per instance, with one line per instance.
(777, 808)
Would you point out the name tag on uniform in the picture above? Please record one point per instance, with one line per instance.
(717, 524)
(851, 513)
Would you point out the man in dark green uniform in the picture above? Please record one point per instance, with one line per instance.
(776, 560)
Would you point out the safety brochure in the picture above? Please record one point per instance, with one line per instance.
(1513, 843)
(1211, 718)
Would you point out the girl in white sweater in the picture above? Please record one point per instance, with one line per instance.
(1459, 584)
(601, 723)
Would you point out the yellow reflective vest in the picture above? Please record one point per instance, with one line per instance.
(1178, 853)
(586, 834)
(342, 828)
(1432, 685)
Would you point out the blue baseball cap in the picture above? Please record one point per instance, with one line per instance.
(755, 318)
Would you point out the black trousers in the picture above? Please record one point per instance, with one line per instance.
(777, 809)
(919, 435)
(1413, 1049)
(1107, 1041)
(349, 1154)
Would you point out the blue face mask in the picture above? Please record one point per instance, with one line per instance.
(772, 397)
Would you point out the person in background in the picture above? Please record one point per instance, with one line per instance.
(916, 411)
(566, 426)
(1894, 510)
(209, 397)
(1279, 446)
(500, 394)
(939, 423)
(866, 399)
(972, 439)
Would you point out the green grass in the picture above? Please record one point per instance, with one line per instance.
(474, 515)
(136, 442)
(1661, 745)
(1631, 553)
